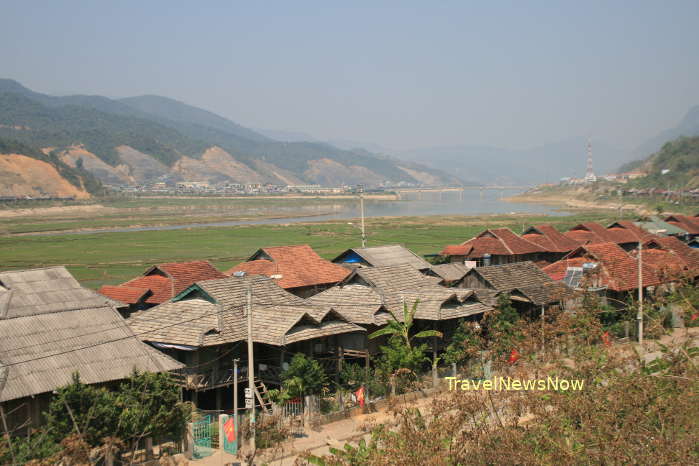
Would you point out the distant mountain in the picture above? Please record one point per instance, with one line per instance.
(286, 136)
(494, 165)
(140, 139)
(674, 166)
(688, 126)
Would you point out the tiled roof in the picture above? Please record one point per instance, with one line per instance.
(163, 281)
(636, 233)
(450, 272)
(297, 265)
(52, 329)
(658, 226)
(279, 317)
(687, 223)
(383, 256)
(670, 243)
(498, 241)
(124, 294)
(589, 233)
(396, 278)
(557, 270)
(361, 304)
(619, 271)
(524, 277)
(457, 250)
(549, 238)
(665, 263)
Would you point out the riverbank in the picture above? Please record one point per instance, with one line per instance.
(110, 258)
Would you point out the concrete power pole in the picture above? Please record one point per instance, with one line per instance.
(639, 315)
(235, 395)
(361, 208)
(251, 369)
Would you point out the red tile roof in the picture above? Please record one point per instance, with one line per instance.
(125, 294)
(164, 281)
(498, 241)
(618, 271)
(635, 233)
(457, 250)
(589, 233)
(666, 264)
(557, 270)
(298, 266)
(550, 239)
(687, 223)
(670, 243)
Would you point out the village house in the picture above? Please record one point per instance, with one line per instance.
(372, 296)
(526, 285)
(659, 227)
(205, 327)
(555, 243)
(381, 256)
(623, 233)
(297, 269)
(51, 328)
(688, 255)
(158, 284)
(604, 268)
(449, 274)
(495, 247)
(689, 224)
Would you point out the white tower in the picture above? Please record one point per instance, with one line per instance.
(589, 174)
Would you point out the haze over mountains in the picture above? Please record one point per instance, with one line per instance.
(138, 140)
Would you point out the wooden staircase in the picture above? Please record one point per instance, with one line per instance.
(263, 396)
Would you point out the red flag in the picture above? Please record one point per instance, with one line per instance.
(514, 356)
(694, 317)
(360, 396)
(229, 429)
(606, 339)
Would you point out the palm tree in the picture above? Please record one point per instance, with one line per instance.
(402, 329)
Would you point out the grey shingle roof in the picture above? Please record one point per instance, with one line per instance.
(383, 256)
(394, 278)
(42, 347)
(450, 272)
(279, 317)
(41, 291)
(525, 277)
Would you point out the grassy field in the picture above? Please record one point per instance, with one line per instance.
(110, 258)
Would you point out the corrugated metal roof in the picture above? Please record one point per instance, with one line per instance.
(44, 342)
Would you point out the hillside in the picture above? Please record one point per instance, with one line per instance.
(675, 166)
(26, 171)
(141, 139)
(688, 126)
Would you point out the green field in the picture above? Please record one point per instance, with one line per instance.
(110, 258)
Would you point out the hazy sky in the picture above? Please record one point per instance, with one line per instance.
(400, 74)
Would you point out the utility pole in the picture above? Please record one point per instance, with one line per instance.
(235, 394)
(251, 369)
(361, 208)
(639, 315)
(3, 380)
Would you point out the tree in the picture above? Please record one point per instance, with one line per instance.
(304, 376)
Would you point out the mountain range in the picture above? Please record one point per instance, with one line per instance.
(137, 140)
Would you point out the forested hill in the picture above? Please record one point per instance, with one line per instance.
(139, 139)
(675, 166)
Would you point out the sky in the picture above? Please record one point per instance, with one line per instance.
(403, 74)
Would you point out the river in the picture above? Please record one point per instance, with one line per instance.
(470, 202)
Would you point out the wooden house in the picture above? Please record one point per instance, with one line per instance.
(553, 242)
(381, 256)
(371, 296)
(449, 274)
(605, 268)
(527, 286)
(687, 223)
(297, 269)
(495, 247)
(205, 327)
(158, 284)
(50, 328)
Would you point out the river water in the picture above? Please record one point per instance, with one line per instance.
(468, 202)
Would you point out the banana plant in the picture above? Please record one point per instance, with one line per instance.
(402, 329)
